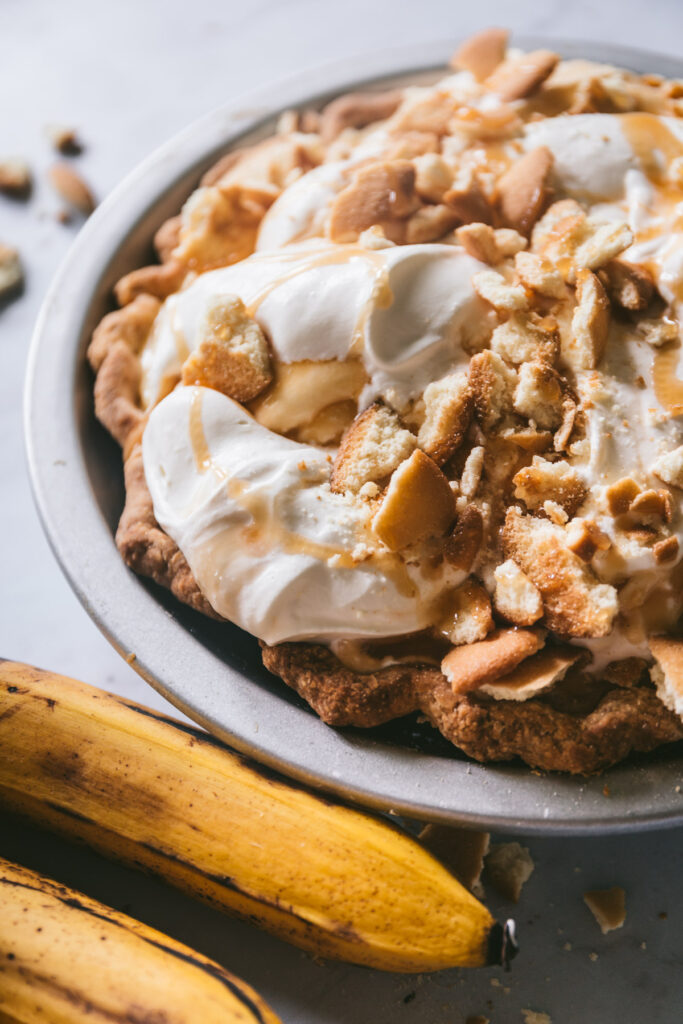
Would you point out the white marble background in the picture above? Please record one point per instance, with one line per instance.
(128, 74)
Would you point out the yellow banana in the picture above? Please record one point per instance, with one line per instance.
(164, 797)
(67, 958)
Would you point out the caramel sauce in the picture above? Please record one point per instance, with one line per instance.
(320, 258)
(265, 533)
(200, 449)
(668, 386)
(370, 655)
(650, 140)
(655, 147)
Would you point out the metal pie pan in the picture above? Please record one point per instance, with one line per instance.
(213, 671)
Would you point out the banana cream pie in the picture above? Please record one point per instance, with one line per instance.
(401, 399)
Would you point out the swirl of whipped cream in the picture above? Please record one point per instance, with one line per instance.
(404, 309)
(271, 546)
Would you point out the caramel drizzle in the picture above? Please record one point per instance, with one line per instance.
(667, 385)
(649, 138)
(655, 147)
(200, 448)
(266, 533)
(369, 655)
(381, 295)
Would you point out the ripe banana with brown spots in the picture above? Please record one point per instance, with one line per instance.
(65, 957)
(161, 796)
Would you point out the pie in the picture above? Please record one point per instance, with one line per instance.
(400, 399)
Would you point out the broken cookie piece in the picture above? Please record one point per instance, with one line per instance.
(482, 53)
(669, 467)
(575, 602)
(590, 323)
(494, 289)
(627, 284)
(355, 110)
(448, 410)
(469, 616)
(374, 446)
(508, 867)
(468, 668)
(523, 339)
(232, 356)
(608, 907)
(418, 503)
(534, 676)
(463, 545)
(667, 671)
(515, 597)
(523, 189)
(433, 176)
(585, 539)
(492, 383)
(519, 77)
(538, 395)
(550, 481)
(539, 274)
(479, 240)
(219, 225)
(382, 193)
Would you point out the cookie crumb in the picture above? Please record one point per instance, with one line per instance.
(608, 907)
(508, 867)
(536, 1017)
(15, 178)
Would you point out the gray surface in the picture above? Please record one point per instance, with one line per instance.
(212, 673)
(129, 78)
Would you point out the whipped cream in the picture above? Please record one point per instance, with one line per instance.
(300, 210)
(271, 546)
(405, 310)
(591, 152)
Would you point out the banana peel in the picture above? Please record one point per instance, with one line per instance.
(67, 958)
(156, 794)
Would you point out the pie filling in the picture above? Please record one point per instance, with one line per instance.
(411, 388)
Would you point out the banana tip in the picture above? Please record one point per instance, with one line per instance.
(503, 946)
